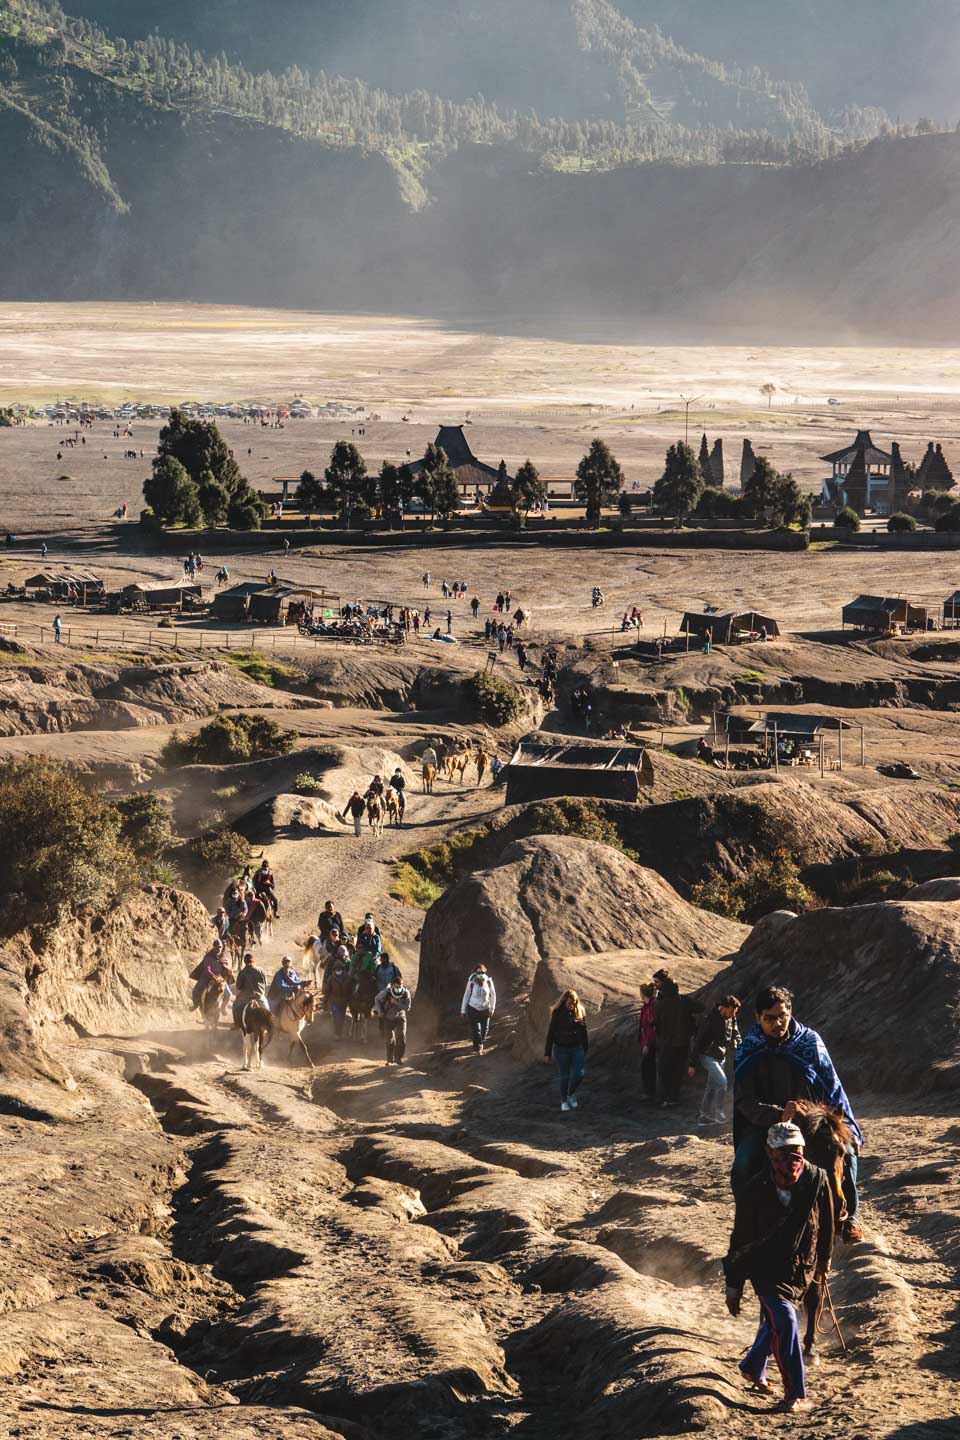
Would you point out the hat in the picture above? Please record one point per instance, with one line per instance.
(781, 1137)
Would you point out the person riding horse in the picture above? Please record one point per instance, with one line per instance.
(285, 984)
(264, 885)
(398, 785)
(779, 1063)
(212, 966)
(251, 985)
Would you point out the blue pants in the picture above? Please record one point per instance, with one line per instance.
(780, 1334)
(570, 1061)
(751, 1152)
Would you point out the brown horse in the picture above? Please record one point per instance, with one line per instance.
(457, 764)
(211, 1002)
(827, 1135)
(428, 774)
(393, 807)
(376, 814)
(259, 921)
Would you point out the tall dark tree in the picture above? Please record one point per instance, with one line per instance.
(760, 491)
(199, 447)
(528, 488)
(437, 483)
(704, 460)
(681, 484)
(346, 477)
(388, 482)
(171, 494)
(599, 480)
(213, 498)
(312, 493)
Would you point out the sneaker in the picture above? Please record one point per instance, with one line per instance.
(572, 1102)
(851, 1231)
(794, 1407)
(565, 1105)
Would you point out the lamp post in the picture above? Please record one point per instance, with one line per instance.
(688, 402)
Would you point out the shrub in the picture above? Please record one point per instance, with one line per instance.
(165, 624)
(62, 846)
(881, 885)
(901, 524)
(260, 669)
(949, 520)
(225, 792)
(567, 816)
(848, 519)
(221, 851)
(229, 740)
(145, 824)
(495, 700)
(769, 884)
(307, 784)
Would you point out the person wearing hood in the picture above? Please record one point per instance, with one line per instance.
(479, 1003)
(393, 1006)
(337, 989)
(782, 1240)
(778, 1062)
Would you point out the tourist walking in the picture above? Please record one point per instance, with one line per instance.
(479, 1003)
(475, 606)
(393, 1006)
(673, 1019)
(717, 1038)
(355, 807)
(57, 630)
(782, 1240)
(567, 1043)
(647, 1035)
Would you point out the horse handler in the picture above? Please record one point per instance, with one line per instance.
(782, 1240)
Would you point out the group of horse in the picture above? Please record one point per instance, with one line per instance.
(453, 767)
(381, 808)
(251, 928)
(258, 1023)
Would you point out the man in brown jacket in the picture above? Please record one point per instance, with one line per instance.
(782, 1238)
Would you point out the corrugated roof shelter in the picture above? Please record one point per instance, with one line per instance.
(540, 770)
(161, 594)
(884, 612)
(787, 737)
(722, 629)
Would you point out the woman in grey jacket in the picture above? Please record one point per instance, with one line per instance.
(479, 1003)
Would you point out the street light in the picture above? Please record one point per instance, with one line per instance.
(692, 401)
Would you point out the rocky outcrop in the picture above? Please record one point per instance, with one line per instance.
(880, 982)
(123, 971)
(550, 897)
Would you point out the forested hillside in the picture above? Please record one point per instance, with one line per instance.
(146, 168)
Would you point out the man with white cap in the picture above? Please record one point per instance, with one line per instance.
(782, 1239)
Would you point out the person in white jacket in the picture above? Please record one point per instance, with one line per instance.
(479, 1003)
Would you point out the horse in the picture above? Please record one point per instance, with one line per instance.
(827, 1135)
(210, 1003)
(360, 1005)
(237, 934)
(376, 814)
(427, 776)
(394, 813)
(256, 1027)
(457, 764)
(259, 920)
(294, 1012)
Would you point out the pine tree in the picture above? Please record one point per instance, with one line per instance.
(171, 494)
(599, 480)
(528, 487)
(681, 484)
(345, 476)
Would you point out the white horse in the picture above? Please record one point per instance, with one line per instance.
(256, 1027)
(293, 1014)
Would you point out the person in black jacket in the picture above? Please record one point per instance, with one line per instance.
(717, 1036)
(783, 1234)
(567, 1043)
(673, 1017)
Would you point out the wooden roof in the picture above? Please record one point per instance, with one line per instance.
(872, 454)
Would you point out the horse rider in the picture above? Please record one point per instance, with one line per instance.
(286, 984)
(221, 924)
(393, 1006)
(235, 905)
(329, 919)
(251, 985)
(212, 966)
(338, 987)
(429, 757)
(374, 788)
(368, 945)
(398, 785)
(264, 885)
(782, 1240)
(778, 1062)
(385, 972)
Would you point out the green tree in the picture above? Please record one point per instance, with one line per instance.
(437, 483)
(949, 520)
(246, 510)
(787, 502)
(213, 499)
(312, 494)
(681, 484)
(901, 524)
(760, 491)
(528, 487)
(346, 476)
(599, 480)
(171, 494)
(199, 447)
(389, 485)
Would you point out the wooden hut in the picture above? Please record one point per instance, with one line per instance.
(732, 626)
(951, 611)
(81, 585)
(161, 594)
(542, 770)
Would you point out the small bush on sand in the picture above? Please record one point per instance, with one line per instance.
(411, 888)
(307, 784)
(229, 740)
(495, 700)
(261, 670)
(220, 852)
(901, 524)
(145, 824)
(848, 520)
